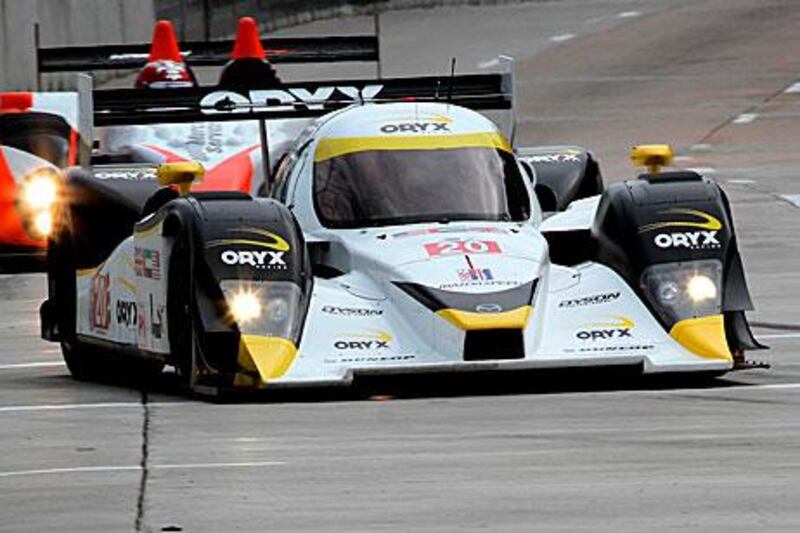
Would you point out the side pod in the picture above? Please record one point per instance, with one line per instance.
(671, 236)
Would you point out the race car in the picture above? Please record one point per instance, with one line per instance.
(402, 235)
(38, 138)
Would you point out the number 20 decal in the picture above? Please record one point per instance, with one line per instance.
(459, 246)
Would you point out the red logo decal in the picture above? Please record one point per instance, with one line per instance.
(459, 246)
(101, 314)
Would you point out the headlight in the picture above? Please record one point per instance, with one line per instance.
(701, 288)
(245, 307)
(37, 197)
(43, 223)
(40, 189)
(684, 290)
(268, 308)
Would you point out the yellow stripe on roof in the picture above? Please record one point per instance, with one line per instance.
(334, 147)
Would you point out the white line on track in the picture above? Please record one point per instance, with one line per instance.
(75, 406)
(793, 88)
(629, 14)
(745, 118)
(562, 37)
(635, 392)
(31, 365)
(741, 182)
(780, 336)
(701, 147)
(489, 63)
(792, 198)
(703, 170)
(123, 468)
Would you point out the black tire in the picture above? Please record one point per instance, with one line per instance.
(179, 309)
(82, 360)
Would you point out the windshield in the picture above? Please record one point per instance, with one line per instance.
(382, 187)
(39, 134)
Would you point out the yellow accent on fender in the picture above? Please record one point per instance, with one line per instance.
(711, 223)
(152, 230)
(469, 321)
(334, 147)
(269, 356)
(704, 336)
(621, 322)
(83, 272)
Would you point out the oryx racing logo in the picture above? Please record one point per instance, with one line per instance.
(372, 340)
(287, 99)
(703, 238)
(257, 248)
(618, 328)
(434, 124)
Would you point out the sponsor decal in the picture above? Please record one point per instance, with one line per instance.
(475, 274)
(127, 313)
(488, 308)
(595, 299)
(142, 322)
(205, 138)
(272, 258)
(258, 259)
(351, 311)
(147, 263)
(157, 314)
(369, 359)
(618, 328)
(553, 158)
(130, 174)
(486, 283)
(702, 238)
(373, 340)
(436, 124)
(632, 348)
(101, 302)
(286, 99)
(461, 246)
(169, 70)
(450, 229)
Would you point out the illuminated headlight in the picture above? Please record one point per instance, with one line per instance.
(37, 197)
(701, 288)
(267, 308)
(245, 307)
(43, 222)
(684, 290)
(40, 189)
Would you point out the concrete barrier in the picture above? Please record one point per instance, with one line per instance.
(189, 16)
(64, 22)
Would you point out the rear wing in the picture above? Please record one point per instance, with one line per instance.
(358, 48)
(303, 100)
(118, 107)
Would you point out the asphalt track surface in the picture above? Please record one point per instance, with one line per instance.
(574, 453)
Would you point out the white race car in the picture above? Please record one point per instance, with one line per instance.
(400, 238)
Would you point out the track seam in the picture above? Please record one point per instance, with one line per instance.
(143, 465)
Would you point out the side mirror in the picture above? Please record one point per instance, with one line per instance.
(652, 156)
(182, 174)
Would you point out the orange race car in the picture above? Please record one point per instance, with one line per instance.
(38, 138)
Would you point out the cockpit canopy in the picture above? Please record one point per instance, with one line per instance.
(378, 181)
